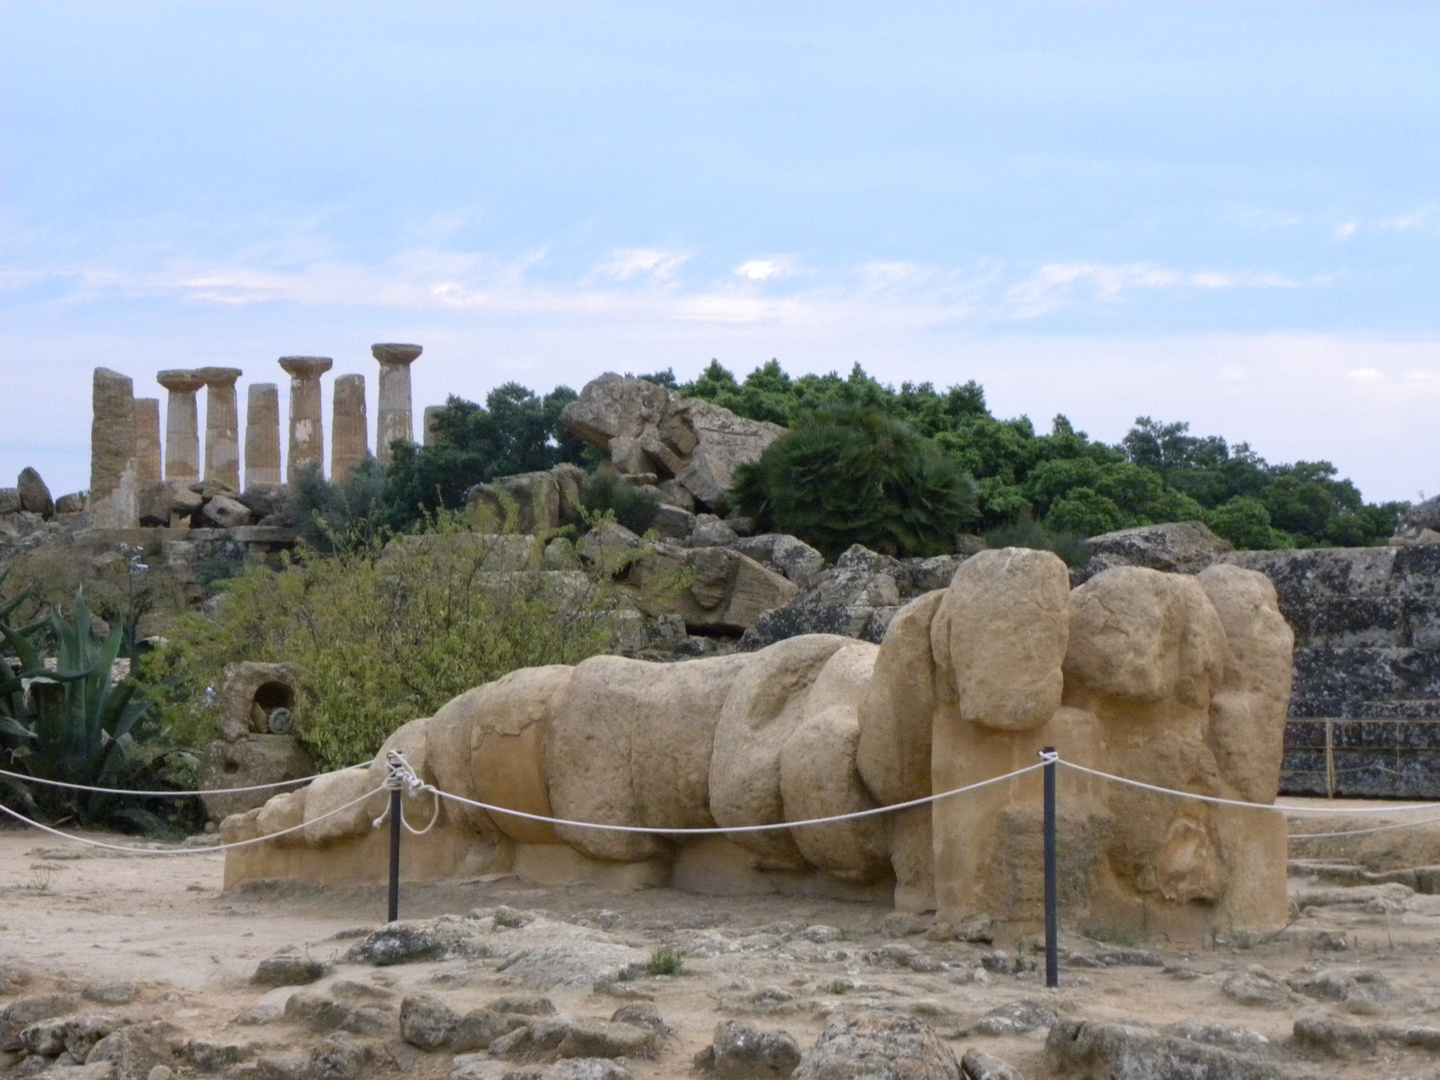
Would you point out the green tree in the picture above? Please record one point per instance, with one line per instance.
(516, 431)
(1084, 512)
(1245, 522)
(856, 476)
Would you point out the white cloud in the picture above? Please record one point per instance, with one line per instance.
(770, 269)
(1366, 374)
(1425, 217)
(627, 263)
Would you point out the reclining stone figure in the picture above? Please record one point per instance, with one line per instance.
(1177, 681)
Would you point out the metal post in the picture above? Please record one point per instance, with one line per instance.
(394, 854)
(1052, 901)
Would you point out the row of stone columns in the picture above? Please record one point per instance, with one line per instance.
(125, 431)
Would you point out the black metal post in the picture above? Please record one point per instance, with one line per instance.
(394, 854)
(1052, 892)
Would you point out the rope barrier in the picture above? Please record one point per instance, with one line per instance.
(1362, 832)
(720, 831)
(174, 794)
(208, 850)
(1249, 805)
(402, 777)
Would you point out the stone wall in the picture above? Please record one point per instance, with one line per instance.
(1365, 711)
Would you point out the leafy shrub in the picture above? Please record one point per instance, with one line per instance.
(607, 493)
(389, 632)
(1027, 533)
(666, 960)
(330, 517)
(855, 476)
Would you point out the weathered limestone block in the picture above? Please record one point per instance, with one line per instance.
(225, 512)
(33, 495)
(222, 425)
(1144, 636)
(1249, 709)
(394, 419)
(114, 468)
(1177, 547)
(723, 590)
(819, 776)
(243, 762)
(533, 502)
(427, 423)
(764, 705)
(349, 444)
(253, 693)
(1163, 679)
(620, 723)
(505, 728)
(147, 440)
(73, 503)
(1004, 626)
(650, 429)
(182, 425)
(262, 436)
(307, 426)
(9, 500)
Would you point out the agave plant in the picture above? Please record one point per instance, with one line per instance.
(72, 720)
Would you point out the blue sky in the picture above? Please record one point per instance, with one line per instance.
(1221, 213)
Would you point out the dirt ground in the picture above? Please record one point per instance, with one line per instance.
(73, 917)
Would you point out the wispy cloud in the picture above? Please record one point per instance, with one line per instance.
(1057, 285)
(769, 269)
(1426, 217)
(655, 263)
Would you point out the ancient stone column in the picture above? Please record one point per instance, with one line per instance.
(427, 424)
(147, 440)
(182, 429)
(307, 429)
(349, 443)
(262, 435)
(114, 469)
(222, 425)
(395, 421)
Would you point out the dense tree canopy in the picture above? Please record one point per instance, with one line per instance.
(1070, 483)
(914, 446)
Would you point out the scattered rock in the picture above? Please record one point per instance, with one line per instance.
(340, 1057)
(741, 1051)
(841, 600)
(524, 1005)
(1177, 547)
(1256, 987)
(1101, 1049)
(110, 993)
(978, 1065)
(20, 1014)
(318, 1012)
(34, 495)
(1226, 1036)
(582, 1069)
(604, 1039)
(1359, 989)
(83, 1032)
(134, 1050)
(871, 1047)
(786, 555)
(287, 971)
(412, 942)
(578, 964)
(903, 924)
(1017, 1018)
(1333, 1037)
(212, 1057)
(479, 1028)
(429, 1023)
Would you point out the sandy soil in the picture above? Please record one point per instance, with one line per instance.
(72, 917)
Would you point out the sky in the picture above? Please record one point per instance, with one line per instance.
(1221, 213)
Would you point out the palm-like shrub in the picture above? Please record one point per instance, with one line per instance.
(857, 476)
(73, 721)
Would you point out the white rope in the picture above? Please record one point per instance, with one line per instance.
(739, 828)
(402, 777)
(173, 794)
(188, 851)
(1250, 805)
(1363, 832)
